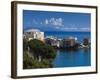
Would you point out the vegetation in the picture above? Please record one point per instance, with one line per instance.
(25, 45)
(39, 56)
(30, 62)
(41, 49)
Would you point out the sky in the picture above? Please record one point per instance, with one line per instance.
(56, 21)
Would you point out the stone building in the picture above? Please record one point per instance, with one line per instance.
(34, 34)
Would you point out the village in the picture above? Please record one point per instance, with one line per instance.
(58, 43)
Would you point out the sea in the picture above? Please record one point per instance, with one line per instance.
(78, 58)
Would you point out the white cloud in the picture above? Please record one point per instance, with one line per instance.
(35, 22)
(85, 29)
(54, 21)
(46, 21)
(57, 27)
(69, 29)
(75, 29)
(41, 23)
(58, 23)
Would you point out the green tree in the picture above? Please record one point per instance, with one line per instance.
(25, 45)
(39, 48)
(27, 61)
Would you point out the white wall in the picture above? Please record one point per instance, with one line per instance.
(5, 40)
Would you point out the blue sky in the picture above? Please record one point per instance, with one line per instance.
(56, 21)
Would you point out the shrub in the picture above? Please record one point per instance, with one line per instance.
(41, 49)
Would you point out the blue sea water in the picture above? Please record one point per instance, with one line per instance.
(64, 58)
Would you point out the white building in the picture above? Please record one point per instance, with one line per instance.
(34, 34)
